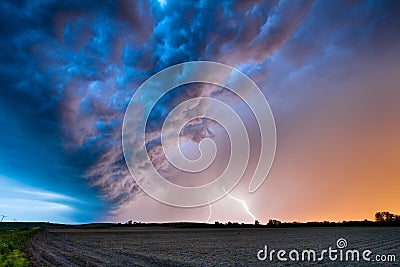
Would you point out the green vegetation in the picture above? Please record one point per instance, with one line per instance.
(10, 245)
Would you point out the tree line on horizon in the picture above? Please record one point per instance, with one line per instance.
(384, 218)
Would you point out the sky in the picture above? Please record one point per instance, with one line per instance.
(329, 70)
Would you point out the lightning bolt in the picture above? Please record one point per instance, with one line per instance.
(244, 206)
(209, 216)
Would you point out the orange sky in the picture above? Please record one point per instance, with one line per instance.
(338, 151)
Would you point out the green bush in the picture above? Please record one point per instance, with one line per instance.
(14, 258)
(10, 244)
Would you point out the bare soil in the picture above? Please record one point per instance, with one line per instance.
(203, 247)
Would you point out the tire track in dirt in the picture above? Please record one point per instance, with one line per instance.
(49, 248)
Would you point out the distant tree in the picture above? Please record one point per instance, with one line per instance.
(379, 217)
(386, 216)
(256, 222)
(389, 217)
(273, 222)
(216, 223)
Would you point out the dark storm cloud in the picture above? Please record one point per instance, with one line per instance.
(253, 32)
(73, 66)
(330, 32)
(31, 148)
(369, 26)
(233, 32)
